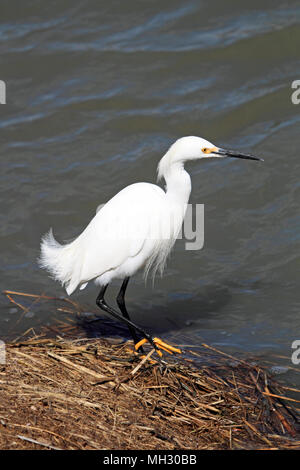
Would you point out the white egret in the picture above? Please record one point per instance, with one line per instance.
(136, 229)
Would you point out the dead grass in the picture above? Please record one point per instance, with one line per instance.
(66, 393)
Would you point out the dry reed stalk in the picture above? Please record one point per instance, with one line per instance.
(67, 393)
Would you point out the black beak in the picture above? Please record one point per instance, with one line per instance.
(234, 154)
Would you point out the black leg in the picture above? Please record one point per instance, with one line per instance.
(103, 305)
(122, 307)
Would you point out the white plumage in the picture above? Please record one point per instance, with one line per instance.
(116, 243)
(136, 229)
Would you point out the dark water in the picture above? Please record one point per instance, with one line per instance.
(97, 91)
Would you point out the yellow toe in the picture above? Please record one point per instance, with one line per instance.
(140, 343)
(166, 347)
(160, 345)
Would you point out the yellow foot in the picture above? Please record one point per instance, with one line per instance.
(160, 344)
(141, 356)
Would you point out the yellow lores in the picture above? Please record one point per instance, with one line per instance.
(209, 150)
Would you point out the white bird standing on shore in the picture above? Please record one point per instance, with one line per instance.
(136, 229)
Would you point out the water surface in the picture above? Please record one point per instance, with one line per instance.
(96, 92)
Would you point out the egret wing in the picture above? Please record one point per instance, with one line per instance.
(120, 229)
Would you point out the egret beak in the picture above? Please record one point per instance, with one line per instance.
(235, 154)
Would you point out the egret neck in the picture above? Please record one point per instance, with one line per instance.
(178, 183)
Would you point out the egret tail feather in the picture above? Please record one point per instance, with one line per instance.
(59, 260)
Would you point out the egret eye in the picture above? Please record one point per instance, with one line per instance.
(205, 150)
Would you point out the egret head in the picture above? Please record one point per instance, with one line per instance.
(194, 148)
